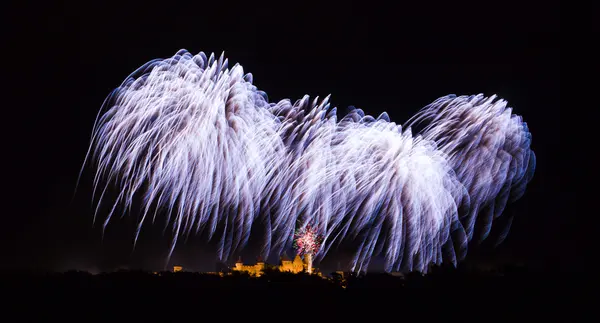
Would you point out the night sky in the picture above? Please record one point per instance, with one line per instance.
(65, 58)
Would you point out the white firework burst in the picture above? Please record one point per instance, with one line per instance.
(201, 141)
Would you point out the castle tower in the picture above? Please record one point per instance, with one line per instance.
(239, 264)
(308, 260)
(260, 264)
(297, 265)
(286, 263)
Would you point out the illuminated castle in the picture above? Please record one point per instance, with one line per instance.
(298, 265)
(255, 270)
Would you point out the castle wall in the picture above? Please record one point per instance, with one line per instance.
(297, 266)
(255, 270)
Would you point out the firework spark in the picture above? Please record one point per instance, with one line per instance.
(199, 140)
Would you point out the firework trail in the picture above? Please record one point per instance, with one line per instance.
(201, 142)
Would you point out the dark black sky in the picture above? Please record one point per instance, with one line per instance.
(66, 57)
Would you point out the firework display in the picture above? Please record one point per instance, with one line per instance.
(307, 241)
(204, 148)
